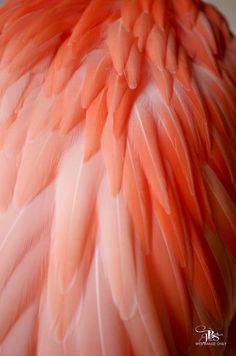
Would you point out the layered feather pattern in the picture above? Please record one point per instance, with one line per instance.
(117, 177)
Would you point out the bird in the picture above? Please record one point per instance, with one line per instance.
(117, 178)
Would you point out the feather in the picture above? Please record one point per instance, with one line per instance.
(144, 139)
(23, 331)
(169, 276)
(113, 150)
(122, 112)
(144, 328)
(208, 289)
(7, 179)
(222, 161)
(198, 48)
(203, 27)
(55, 113)
(20, 128)
(142, 27)
(18, 236)
(73, 233)
(215, 86)
(37, 27)
(46, 340)
(223, 208)
(119, 42)
(156, 46)
(175, 149)
(98, 314)
(218, 20)
(10, 101)
(87, 20)
(101, 332)
(73, 113)
(63, 295)
(129, 13)
(186, 12)
(31, 55)
(159, 13)
(16, 297)
(97, 70)
(61, 69)
(184, 71)
(218, 116)
(67, 61)
(185, 114)
(164, 82)
(39, 115)
(72, 217)
(95, 120)
(173, 224)
(217, 248)
(41, 155)
(206, 214)
(136, 195)
(145, 4)
(200, 113)
(171, 60)
(116, 248)
(117, 86)
(133, 67)
(109, 322)
(86, 43)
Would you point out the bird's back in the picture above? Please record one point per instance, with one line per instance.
(117, 178)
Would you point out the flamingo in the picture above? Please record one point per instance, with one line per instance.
(117, 178)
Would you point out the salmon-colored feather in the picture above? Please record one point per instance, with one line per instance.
(113, 149)
(129, 12)
(172, 134)
(117, 250)
(203, 26)
(137, 197)
(69, 233)
(183, 73)
(171, 52)
(159, 13)
(41, 154)
(183, 110)
(164, 81)
(16, 93)
(133, 67)
(69, 236)
(119, 40)
(95, 78)
(223, 207)
(156, 46)
(117, 86)
(7, 179)
(93, 126)
(164, 260)
(122, 112)
(75, 114)
(88, 20)
(142, 27)
(145, 329)
(14, 228)
(145, 143)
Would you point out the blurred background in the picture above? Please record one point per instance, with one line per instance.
(227, 7)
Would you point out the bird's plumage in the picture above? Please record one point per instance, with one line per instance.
(117, 177)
